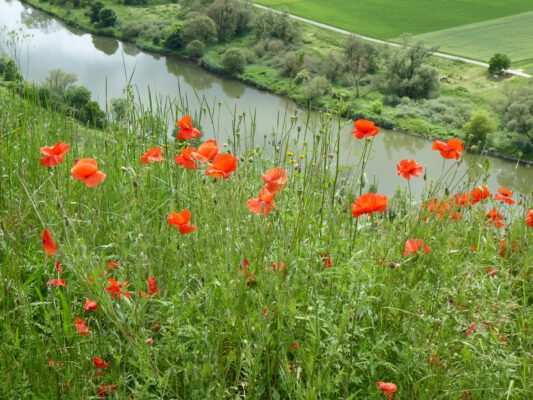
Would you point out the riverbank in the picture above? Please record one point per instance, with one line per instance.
(464, 88)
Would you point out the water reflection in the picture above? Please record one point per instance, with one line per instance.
(233, 89)
(189, 72)
(36, 20)
(399, 141)
(106, 45)
(130, 49)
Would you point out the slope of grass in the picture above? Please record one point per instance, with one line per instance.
(388, 19)
(509, 35)
(222, 328)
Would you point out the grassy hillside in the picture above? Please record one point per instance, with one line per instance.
(388, 19)
(305, 302)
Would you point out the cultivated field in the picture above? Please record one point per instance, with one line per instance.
(479, 28)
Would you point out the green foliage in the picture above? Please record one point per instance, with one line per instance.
(9, 70)
(518, 115)
(409, 73)
(77, 96)
(195, 49)
(479, 127)
(316, 88)
(499, 62)
(94, 11)
(173, 39)
(277, 25)
(199, 27)
(232, 17)
(356, 59)
(58, 80)
(234, 61)
(107, 17)
(333, 67)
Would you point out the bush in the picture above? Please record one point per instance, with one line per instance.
(231, 17)
(107, 17)
(195, 49)
(173, 38)
(376, 107)
(478, 128)
(9, 70)
(277, 25)
(498, 63)
(234, 61)
(77, 96)
(409, 73)
(94, 11)
(316, 88)
(58, 80)
(199, 27)
(332, 67)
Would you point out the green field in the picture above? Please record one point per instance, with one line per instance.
(510, 35)
(388, 19)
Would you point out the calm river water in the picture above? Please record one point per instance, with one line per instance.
(102, 64)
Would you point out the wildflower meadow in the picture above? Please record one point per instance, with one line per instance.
(135, 265)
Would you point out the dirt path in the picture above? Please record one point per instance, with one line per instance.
(374, 40)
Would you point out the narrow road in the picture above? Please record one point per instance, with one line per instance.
(374, 40)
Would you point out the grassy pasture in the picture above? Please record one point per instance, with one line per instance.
(511, 35)
(388, 19)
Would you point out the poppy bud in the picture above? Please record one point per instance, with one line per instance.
(155, 327)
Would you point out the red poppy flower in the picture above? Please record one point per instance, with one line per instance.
(456, 216)
(275, 178)
(368, 204)
(185, 158)
(504, 195)
(152, 155)
(470, 329)
(149, 341)
(451, 149)
(438, 207)
(265, 312)
(463, 199)
(496, 218)
(90, 305)
(57, 266)
(53, 154)
(206, 151)
(491, 272)
(182, 221)
(503, 247)
(56, 282)
(104, 391)
(388, 389)
(49, 244)
(250, 279)
(223, 165)
(480, 193)
(364, 128)
(117, 288)
(278, 267)
(529, 218)
(263, 204)
(100, 363)
(81, 327)
(113, 264)
(187, 132)
(409, 168)
(86, 170)
(326, 259)
(413, 245)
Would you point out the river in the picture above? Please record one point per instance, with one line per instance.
(104, 64)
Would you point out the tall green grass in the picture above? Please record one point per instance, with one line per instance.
(312, 332)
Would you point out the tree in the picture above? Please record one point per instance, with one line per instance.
(58, 80)
(316, 88)
(9, 70)
(107, 17)
(173, 38)
(234, 61)
(195, 49)
(277, 25)
(409, 73)
(479, 127)
(498, 63)
(94, 12)
(518, 115)
(231, 17)
(356, 60)
(199, 27)
(77, 96)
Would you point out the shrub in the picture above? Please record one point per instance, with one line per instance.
(479, 127)
(9, 70)
(107, 17)
(58, 80)
(316, 88)
(277, 25)
(234, 61)
(332, 67)
(195, 49)
(94, 11)
(231, 17)
(498, 63)
(275, 46)
(199, 27)
(77, 96)
(409, 73)
(376, 107)
(173, 37)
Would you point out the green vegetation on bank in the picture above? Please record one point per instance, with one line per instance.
(304, 303)
(318, 68)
